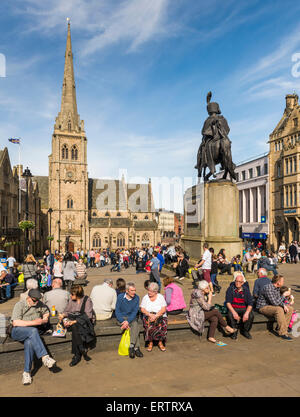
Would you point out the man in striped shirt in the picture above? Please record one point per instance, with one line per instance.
(239, 303)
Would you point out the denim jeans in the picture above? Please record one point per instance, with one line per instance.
(237, 267)
(32, 344)
(8, 289)
(213, 278)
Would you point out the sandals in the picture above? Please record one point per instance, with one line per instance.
(161, 346)
(211, 340)
(150, 347)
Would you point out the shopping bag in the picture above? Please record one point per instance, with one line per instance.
(60, 331)
(21, 277)
(124, 343)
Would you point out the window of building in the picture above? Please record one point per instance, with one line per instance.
(243, 175)
(291, 195)
(296, 122)
(69, 203)
(74, 153)
(145, 240)
(134, 217)
(278, 169)
(237, 176)
(121, 240)
(107, 214)
(258, 173)
(251, 173)
(295, 164)
(265, 169)
(286, 166)
(286, 196)
(146, 218)
(295, 195)
(118, 214)
(138, 201)
(275, 146)
(96, 240)
(64, 152)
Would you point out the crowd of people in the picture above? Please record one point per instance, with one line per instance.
(52, 286)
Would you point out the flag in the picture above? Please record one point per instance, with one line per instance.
(14, 140)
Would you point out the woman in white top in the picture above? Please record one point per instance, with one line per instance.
(155, 320)
(57, 268)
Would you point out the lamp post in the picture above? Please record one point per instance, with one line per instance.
(58, 222)
(27, 174)
(50, 211)
(67, 244)
(81, 226)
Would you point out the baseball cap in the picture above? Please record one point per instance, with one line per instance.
(33, 293)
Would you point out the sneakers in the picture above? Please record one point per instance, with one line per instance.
(26, 378)
(287, 338)
(48, 362)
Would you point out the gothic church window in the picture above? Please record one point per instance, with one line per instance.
(121, 240)
(96, 240)
(70, 203)
(74, 153)
(65, 152)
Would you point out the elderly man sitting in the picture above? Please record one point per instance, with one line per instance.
(26, 316)
(240, 303)
(57, 297)
(271, 304)
(127, 309)
(261, 281)
(104, 299)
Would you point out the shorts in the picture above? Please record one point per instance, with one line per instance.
(206, 275)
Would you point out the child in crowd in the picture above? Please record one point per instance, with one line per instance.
(289, 300)
(237, 263)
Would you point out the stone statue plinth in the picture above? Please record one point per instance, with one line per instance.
(211, 214)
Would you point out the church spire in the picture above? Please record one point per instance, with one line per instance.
(68, 118)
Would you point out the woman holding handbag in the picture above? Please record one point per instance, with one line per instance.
(80, 317)
(155, 319)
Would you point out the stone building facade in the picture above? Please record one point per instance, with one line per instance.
(11, 237)
(89, 213)
(252, 180)
(284, 164)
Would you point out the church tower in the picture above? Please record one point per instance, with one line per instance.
(68, 177)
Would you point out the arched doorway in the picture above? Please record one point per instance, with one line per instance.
(71, 247)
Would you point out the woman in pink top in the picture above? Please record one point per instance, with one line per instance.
(174, 297)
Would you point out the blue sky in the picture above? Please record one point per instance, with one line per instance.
(143, 69)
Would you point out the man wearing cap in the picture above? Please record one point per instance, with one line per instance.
(26, 316)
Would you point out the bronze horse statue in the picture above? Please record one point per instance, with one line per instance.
(216, 146)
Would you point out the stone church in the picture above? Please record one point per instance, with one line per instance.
(85, 212)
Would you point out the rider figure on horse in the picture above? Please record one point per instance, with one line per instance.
(216, 146)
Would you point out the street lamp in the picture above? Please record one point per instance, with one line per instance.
(50, 211)
(27, 174)
(58, 222)
(81, 226)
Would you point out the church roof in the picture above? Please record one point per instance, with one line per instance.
(145, 225)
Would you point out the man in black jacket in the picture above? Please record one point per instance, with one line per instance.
(239, 302)
(293, 251)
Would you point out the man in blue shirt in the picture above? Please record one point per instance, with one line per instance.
(260, 282)
(161, 261)
(127, 309)
(155, 264)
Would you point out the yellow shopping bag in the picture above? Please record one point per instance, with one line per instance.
(21, 278)
(124, 344)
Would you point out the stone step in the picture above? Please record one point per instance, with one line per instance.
(108, 338)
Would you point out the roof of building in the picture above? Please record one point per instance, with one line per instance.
(43, 185)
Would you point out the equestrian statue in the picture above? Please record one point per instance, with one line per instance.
(215, 147)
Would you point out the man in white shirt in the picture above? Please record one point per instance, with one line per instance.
(205, 264)
(11, 263)
(104, 299)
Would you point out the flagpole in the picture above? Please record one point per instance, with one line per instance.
(20, 179)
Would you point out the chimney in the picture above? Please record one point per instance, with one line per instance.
(291, 101)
